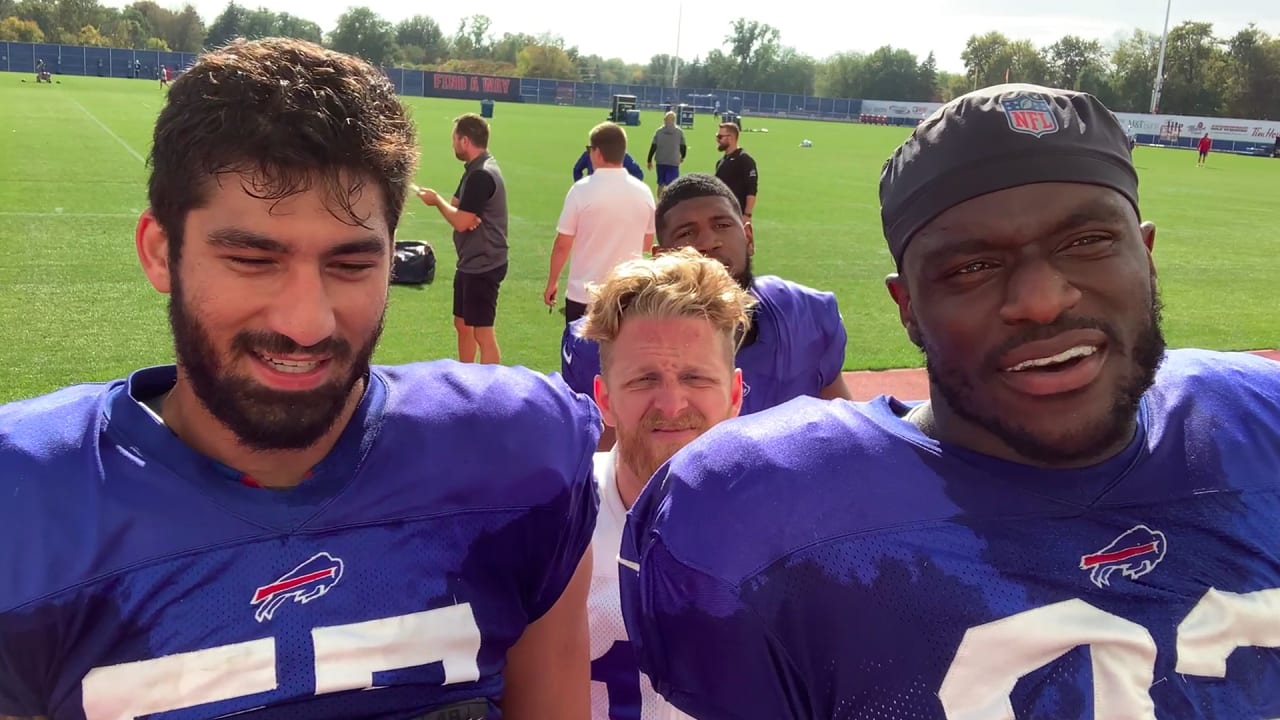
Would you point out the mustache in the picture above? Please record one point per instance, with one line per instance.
(270, 343)
(687, 420)
(1045, 332)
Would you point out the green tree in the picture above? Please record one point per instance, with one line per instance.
(1071, 58)
(15, 30)
(545, 61)
(229, 25)
(362, 32)
(421, 41)
(754, 48)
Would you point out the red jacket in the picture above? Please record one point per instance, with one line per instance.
(1205, 144)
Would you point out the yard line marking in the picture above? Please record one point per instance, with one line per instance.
(107, 130)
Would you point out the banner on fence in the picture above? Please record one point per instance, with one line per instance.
(465, 86)
(899, 109)
(1184, 126)
(1188, 126)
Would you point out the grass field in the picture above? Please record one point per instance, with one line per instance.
(75, 306)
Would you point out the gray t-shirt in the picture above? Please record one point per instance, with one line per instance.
(668, 138)
(483, 193)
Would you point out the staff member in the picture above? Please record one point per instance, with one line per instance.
(583, 167)
(736, 169)
(670, 149)
(478, 215)
(607, 219)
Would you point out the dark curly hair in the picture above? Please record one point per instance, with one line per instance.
(284, 114)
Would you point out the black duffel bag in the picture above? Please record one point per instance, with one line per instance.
(414, 263)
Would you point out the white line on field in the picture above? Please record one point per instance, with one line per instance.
(107, 130)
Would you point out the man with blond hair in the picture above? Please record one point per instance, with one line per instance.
(668, 329)
(669, 148)
(796, 345)
(607, 219)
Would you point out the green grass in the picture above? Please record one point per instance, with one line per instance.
(74, 305)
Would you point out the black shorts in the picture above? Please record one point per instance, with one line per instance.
(475, 296)
(573, 310)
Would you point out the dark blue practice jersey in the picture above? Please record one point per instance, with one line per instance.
(828, 560)
(138, 578)
(799, 346)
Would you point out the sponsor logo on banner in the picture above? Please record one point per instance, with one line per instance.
(1229, 129)
(899, 110)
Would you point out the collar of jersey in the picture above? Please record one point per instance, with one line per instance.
(132, 425)
(1079, 486)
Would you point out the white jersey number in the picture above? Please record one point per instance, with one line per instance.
(992, 657)
(346, 658)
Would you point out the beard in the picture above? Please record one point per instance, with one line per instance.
(1090, 436)
(746, 277)
(263, 418)
(640, 450)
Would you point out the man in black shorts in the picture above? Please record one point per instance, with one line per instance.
(478, 215)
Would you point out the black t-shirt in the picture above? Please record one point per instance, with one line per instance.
(479, 189)
(738, 171)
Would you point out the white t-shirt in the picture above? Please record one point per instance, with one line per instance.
(613, 665)
(608, 213)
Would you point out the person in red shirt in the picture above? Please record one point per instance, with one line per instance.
(1205, 144)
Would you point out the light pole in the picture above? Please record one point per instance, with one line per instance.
(675, 72)
(1164, 40)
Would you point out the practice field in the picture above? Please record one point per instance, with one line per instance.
(75, 306)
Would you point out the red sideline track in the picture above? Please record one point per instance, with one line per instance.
(911, 384)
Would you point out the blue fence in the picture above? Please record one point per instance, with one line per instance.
(564, 92)
(145, 64)
(1262, 147)
(80, 60)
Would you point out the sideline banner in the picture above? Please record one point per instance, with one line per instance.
(1188, 126)
(465, 86)
(1234, 130)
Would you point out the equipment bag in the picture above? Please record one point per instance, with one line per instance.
(414, 263)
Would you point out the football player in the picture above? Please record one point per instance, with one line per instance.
(667, 329)
(797, 338)
(1076, 524)
(272, 528)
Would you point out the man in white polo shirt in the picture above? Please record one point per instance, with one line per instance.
(607, 219)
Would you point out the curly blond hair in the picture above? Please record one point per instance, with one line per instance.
(676, 283)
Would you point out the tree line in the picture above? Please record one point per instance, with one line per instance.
(1204, 74)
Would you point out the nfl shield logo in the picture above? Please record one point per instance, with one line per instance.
(1030, 114)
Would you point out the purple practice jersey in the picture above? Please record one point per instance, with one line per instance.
(798, 350)
(828, 560)
(140, 579)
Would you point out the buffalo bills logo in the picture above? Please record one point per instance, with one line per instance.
(305, 583)
(1030, 114)
(1133, 554)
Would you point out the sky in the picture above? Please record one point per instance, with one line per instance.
(648, 28)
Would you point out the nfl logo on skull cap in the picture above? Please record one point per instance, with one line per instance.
(1030, 115)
